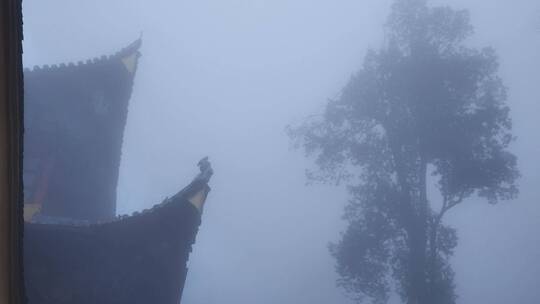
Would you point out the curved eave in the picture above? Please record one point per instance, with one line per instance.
(195, 194)
(139, 259)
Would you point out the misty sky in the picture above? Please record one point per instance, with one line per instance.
(223, 79)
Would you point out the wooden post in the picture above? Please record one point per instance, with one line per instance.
(11, 120)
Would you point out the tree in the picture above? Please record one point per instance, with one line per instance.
(424, 104)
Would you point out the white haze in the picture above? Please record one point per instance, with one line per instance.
(224, 78)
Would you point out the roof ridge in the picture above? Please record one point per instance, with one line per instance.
(126, 51)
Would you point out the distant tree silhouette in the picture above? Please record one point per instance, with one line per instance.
(423, 104)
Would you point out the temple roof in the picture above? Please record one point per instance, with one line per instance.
(76, 250)
(135, 259)
(75, 116)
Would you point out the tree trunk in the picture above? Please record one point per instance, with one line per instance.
(432, 263)
(415, 211)
(418, 244)
(417, 261)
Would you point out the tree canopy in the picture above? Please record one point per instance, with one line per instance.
(424, 100)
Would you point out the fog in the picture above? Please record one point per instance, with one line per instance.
(224, 79)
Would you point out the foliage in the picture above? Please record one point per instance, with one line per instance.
(423, 100)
